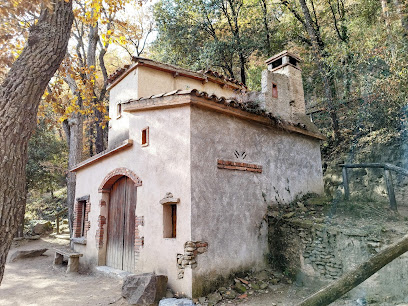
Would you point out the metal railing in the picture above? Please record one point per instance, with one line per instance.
(387, 175)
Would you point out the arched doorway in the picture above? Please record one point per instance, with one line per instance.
(120, 252)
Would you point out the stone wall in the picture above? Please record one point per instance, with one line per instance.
(316, 254)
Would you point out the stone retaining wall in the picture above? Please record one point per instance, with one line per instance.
(316, 254)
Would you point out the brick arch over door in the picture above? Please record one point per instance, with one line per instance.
(116, 174)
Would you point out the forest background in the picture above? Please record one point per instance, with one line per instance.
(355, 69)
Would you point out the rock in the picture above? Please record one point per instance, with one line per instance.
(36, 237)
(214, 298)
(273, 214)
(289, 215)
(243, 296)
(201, 250)
(255, 286)
(262, 275)
(202, 300)
(263, 286)
(274, 281)
(222, 289)
(26, 254)
(144, 289)
(240, 288)
(176, 302)
(229, 294)
(42, 228)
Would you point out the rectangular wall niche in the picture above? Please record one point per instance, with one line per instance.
(145, 137)
(169, 221)
(274, 90)
(231, 165)
(169, 215)
(118, 110)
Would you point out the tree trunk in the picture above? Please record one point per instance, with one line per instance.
(74, 130)
(355, 277)
(402, 10)
(266, 26)
(20, 225)
(99, 140)
(93, 38)
(385, 13)
(328, 82)
(20, 95)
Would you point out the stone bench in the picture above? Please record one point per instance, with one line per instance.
(73, 259)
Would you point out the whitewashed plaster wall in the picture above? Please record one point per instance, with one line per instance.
(228, 206)
(145, 82)
(163, 166)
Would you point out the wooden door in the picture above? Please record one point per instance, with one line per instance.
(120, 252)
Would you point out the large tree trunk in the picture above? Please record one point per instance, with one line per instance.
(355, 277)
(20, 96)
(328, 82)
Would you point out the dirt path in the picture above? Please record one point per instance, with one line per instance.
(35, 281)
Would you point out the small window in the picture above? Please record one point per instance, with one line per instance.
(118, 110)
(277, 63)
(80, 218)
(145, 137)
(274, 90)
(169, 220)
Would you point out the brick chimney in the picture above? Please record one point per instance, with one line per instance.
(282, 86)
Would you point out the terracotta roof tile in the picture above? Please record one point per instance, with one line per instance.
(222, 77)
(176, 70)
(250, 107)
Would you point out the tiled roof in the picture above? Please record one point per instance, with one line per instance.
(203, 76)
(251, 107)
(283, 53)
(222, 77)
(118, 72)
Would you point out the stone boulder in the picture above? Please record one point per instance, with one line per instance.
(144, 289)
(176, 302)
(26, 254)
(42, 228)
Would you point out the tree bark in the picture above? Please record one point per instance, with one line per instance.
(74, 131)
(355, 277)
(328, 82)
(402, 10)
(266, 26)
(20, 95)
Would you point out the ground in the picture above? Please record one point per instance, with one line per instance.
(35, 281)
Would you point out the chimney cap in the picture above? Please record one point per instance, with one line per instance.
(282, 54)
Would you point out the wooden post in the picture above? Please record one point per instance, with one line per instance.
(390, 189)
(355, 277)
(345, 184)
(57, 225)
